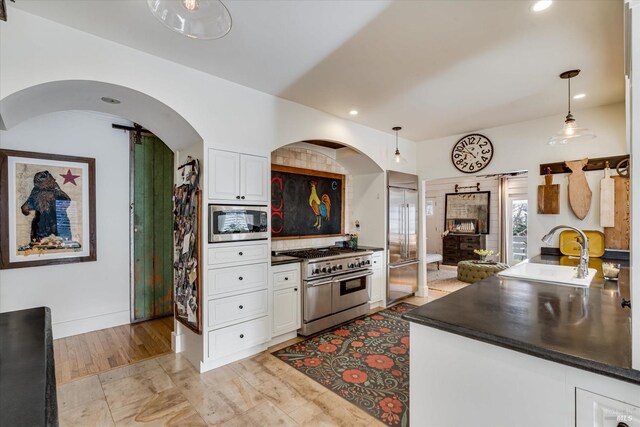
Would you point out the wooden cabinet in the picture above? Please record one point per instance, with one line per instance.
(460, 247)
(236, 177)
(287, 299)
(378, 280)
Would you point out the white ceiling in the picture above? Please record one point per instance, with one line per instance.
(434, 67)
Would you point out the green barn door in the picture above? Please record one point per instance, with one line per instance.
(152, 229)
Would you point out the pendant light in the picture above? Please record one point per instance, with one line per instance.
(397, 153)
(570, 131)
(197, 19)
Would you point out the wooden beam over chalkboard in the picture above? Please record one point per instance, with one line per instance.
(593, 165)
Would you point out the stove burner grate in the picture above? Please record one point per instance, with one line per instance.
(313, 253)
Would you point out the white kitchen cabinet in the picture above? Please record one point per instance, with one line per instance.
(287, 299)
(286, 310)
(378, 280)
(236, 177)
(595, 410)
(254, 178)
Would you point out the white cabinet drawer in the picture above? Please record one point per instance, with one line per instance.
(224, 255)
(595, 410)
(287, 278)
(226, 341)
(226, 311)
(231, 280)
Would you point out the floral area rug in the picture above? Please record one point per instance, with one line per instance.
(365, 361)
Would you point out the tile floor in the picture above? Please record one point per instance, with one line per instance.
(166, 390)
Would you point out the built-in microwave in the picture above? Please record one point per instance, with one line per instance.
(233, 223)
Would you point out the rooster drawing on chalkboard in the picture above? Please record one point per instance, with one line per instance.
(321, 207)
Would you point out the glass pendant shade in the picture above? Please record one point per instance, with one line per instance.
(571, 132)
(198, 19)
(397, 155)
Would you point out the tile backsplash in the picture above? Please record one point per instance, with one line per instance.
(309, 159)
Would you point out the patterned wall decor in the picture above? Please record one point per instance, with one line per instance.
(187, 200)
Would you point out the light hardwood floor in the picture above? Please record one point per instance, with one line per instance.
(167, 390)
(95, 352)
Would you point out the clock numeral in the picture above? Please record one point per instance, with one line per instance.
(484, 159)
(464, 166)
(459, 162)
(471, 167)
(457, 155)
(478, 164)
(483, 144)
(486, 151)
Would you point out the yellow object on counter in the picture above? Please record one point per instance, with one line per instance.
(569, 243)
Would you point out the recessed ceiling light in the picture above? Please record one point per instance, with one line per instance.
(579, 96)
(353, 112)
(541, 5)
(110, 100)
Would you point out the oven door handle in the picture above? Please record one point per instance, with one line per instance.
(313, 285)
(354, 275)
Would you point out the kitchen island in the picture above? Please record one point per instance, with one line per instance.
(515, 352)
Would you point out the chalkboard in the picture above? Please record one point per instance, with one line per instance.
(306, 203)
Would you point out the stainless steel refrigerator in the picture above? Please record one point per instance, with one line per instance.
(402, 238)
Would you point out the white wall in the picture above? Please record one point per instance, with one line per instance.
(437, 189)
(226, 115)
(91, 295)
(523, 146)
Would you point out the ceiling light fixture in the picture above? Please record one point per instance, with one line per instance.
(353, 112)
(397, 153)
(197, 19)
(570, 130)
(541, 5)
(579, 96)
(110, 100)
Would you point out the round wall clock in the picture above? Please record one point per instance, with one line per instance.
(472, 153)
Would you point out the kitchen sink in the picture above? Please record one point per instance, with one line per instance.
(548, 273)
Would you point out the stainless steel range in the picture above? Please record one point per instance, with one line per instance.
(336, 286)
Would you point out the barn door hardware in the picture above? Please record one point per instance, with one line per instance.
(468, 187)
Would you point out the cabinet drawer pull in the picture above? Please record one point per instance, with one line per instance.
(241, 335)
(240, 253)
(241, 307)
(237, 197)
(242, 197)
(286, 278)
(295, 289)
(240, 278)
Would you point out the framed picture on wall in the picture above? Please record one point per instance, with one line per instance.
(306, 203)
(47, 209)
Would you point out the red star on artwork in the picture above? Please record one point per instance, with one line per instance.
(69, 177)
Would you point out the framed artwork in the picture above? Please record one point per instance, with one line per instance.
(306, 203)
(47, 209)
(467, 212)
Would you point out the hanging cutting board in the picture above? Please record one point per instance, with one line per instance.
(617, 237)
(579, 191)
(549, 195)
(607, 199)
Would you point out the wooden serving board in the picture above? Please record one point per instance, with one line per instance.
(617, 237)
(579, 191)
(549, 196)
(607, 200)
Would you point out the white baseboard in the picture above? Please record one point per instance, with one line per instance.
(177, 342)
(89, 324)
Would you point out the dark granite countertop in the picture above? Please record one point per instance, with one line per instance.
(284, 259)
(27, 373)
(581, 327)
(371, 248)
